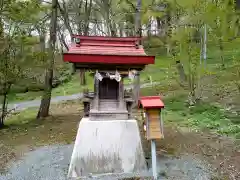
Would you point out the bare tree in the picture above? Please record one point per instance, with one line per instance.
(82, 21)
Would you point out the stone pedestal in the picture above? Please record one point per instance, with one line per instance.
(105, 148)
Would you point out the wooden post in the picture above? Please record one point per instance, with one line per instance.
(147, 123)
(136, 89)
(121, 94)
(161, 122)
(96, 91)
(154, 159)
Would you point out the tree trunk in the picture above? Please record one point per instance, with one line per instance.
(168, 30)
(159, 28)
(113, 29)
(87, 17)
(6, 84)
(221, 53)
(191, 80)
(238, 81)
(181, 72)
(138, 25)
(46, 98)
(238, 87)
(64, 13)
(4, 105)
(86, 29)
(4, 110)
(120, 27)
(82, 77)
(149, 28)
(79, 20)
(1, 29)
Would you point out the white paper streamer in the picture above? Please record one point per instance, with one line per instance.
(98, 76)
(131, 74)
(115, 76)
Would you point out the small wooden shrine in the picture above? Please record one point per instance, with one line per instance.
(108, 140)
(110, 59)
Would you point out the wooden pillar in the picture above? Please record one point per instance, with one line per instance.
(129, 108)
(121, 94)
(136, 89)
(96, 92)
(161, 122)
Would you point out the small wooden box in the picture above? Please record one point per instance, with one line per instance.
(153, 122)
(154, 125)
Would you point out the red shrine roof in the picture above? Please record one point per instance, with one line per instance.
(151, 102)
(110, 50)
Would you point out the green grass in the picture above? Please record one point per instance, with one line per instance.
(202, 116)
(73, 86)
(28, 96)
(21, 118)
(68, 88)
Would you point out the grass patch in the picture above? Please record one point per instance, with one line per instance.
(202, 116)
(71, 87)
(28, 96)
(28, 116)
(22, 117)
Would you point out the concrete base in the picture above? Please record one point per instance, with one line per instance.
(107, 147)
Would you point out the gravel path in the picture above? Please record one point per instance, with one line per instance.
(51, 163)
(46, 163)
(183, 168)
(35, 103)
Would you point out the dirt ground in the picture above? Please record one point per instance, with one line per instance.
(223, 154)
(220, 154)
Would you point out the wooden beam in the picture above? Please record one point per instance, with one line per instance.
(109, 67)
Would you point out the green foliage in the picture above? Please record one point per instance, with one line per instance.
(17, 46)
(201, 116)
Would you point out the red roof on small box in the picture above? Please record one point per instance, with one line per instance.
(151, 102)
(99, 49)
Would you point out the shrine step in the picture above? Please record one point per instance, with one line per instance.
(108, 115)
(108, 105)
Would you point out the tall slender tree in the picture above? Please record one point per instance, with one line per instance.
(46, 98)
